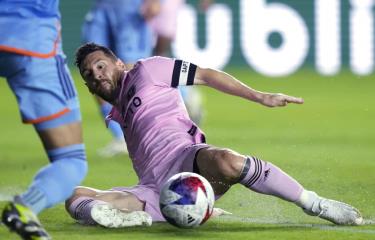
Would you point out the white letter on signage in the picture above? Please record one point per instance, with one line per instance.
(218, 48)
(362, 37)
(328, 36)
(258, 21)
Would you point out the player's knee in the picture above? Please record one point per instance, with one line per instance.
(81, 191)
(229, 164)
(78, 192)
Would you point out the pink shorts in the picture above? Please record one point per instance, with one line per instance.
(149, 193)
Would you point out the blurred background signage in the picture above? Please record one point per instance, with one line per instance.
(272, 37)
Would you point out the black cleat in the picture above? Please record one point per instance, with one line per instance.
(23, 221)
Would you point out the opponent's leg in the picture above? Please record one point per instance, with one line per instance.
(113, 209)
(47, 98)
(52, 184)
(228, 167)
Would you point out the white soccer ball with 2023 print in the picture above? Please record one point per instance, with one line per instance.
(187, 200)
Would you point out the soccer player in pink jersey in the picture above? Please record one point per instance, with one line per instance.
(120, 25)
(163, 141)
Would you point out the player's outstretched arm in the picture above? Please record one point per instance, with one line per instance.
(226, 83)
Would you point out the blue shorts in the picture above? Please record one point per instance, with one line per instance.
(119, 26)
(44, 89)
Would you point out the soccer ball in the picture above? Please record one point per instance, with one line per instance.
(187, 200)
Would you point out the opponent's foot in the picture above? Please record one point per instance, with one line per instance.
(115, 147)
(24, 222)
(108, 216)
(336, 212)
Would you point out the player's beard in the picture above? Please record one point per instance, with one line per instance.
(109, 93)
(107, 96)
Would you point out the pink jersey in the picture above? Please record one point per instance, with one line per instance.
(153, 116)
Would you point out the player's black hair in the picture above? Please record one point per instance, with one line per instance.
(88, 48)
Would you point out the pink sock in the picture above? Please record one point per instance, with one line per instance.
(80, 209)
(266, 178)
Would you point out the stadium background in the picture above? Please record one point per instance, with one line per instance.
(74, 11)
(327, 144)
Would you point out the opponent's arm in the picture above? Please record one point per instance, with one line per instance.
(226, 83)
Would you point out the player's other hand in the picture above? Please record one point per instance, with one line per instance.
(279, 100)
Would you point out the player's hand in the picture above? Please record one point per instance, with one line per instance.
(279, 100)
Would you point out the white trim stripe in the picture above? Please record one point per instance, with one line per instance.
(184, 72)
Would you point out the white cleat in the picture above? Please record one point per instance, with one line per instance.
(115, 147)
(336, 212)
(110, 217)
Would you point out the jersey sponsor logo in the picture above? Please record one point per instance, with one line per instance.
(183, 73)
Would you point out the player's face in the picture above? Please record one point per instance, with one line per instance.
(102, 74)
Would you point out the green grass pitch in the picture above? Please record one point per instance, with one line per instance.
(328, 144)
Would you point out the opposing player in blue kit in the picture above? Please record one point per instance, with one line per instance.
(32, 61)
